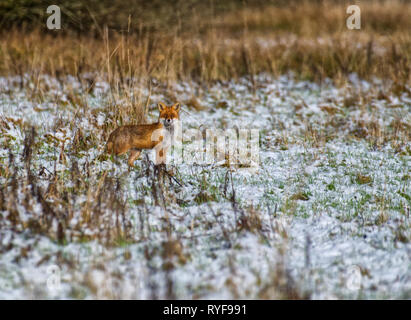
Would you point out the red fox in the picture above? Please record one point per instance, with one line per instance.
(146, 136)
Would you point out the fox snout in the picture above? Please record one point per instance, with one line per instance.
(168, 123)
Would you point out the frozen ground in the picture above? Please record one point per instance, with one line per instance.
(326, 215)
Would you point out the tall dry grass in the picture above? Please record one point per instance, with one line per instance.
(308, 38)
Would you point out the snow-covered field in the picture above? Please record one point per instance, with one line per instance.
(326, 215)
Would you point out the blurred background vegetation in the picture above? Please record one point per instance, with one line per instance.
(161, 15)
(207, 40)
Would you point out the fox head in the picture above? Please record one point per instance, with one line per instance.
(169, 114)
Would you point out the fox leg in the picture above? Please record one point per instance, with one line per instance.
(109, 147)
(161, 156)
(134, 154)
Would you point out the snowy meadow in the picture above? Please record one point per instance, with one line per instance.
(326, 213)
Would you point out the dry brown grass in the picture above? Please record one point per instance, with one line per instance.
(310, 39)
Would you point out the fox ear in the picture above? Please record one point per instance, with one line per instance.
(161, 106)
(177, 106)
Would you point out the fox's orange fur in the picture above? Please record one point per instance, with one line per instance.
(134, 138)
